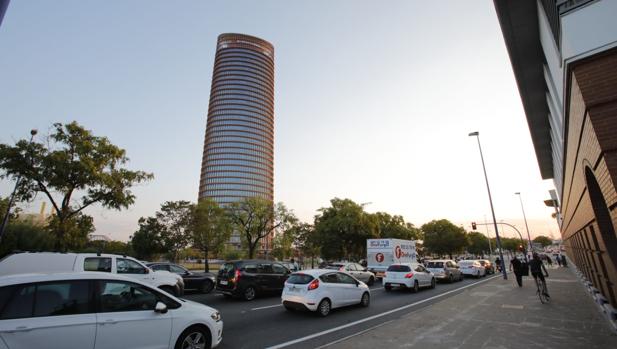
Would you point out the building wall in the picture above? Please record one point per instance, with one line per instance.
(589, 201)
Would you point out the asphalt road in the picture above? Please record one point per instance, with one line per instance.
(264, 323)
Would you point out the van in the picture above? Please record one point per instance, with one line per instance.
(53, 262)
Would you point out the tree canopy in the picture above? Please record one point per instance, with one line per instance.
(210, 228)
(343, 228)
(256, 218)
(543, 240)
(443, 237)
(395, 227)
(73, 169)
(478, 243)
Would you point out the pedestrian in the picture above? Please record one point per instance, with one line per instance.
(498, 264)
(549, 260)
(295, 265)
(563, 261)
(517, 267)
(558, 258)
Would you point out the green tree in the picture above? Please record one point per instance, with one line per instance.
(306, 240)
(70, 234)
(22, 236)
(443, 237)
(210, 228)
(478, 243)
(395, 227)
(256, 218)
(72, 162)
(4, 205)
(343, 228)
(146, 242)
(113, 247)
(543, 240)
(176, 219)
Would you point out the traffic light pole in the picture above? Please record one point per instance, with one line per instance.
(490, 199)
(518, 231)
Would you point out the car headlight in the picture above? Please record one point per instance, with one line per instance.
(216, 316)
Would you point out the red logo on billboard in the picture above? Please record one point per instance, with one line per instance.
(379, 257)
(398, 252)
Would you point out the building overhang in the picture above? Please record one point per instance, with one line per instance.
(520, 28)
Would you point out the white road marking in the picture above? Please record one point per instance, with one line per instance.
(319, 334)
(353, 335)
(267, 307)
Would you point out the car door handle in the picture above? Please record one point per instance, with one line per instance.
(109, 322)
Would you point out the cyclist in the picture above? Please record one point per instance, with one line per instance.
(536, 267)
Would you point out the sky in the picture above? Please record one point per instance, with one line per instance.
(374, 101)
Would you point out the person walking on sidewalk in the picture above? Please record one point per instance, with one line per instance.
(558, 260)
(536, 267)
(517, 267)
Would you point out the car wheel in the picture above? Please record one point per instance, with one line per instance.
(228, 296)
(416, 287)
(366, 299)
(323, 309)
(288, 308)
(207, 286)
(451, 278)
(249, 293)
(194, 337)
(371, 281)
(433, 283)
(388, 288)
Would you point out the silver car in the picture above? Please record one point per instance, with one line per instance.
(445, 270)
(355, 269)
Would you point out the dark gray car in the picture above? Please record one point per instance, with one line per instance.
(355, 269)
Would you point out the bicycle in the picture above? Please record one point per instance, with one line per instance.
(542, 291)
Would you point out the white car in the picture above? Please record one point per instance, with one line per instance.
(53, 262)
(408, 275)
(471, 268)
(99, 310)
(322, 290)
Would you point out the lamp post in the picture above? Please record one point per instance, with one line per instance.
(490, 199)
(5, 220)
(525, 218)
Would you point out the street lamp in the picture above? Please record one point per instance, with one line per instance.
(490, 199)
(525, 218)
(5, 220)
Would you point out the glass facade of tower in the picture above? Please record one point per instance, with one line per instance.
(238, 156)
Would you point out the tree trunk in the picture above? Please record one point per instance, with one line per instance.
(206, 265)
(251, 250)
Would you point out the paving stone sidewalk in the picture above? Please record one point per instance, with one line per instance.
(498, 314)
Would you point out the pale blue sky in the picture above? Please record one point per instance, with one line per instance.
(374, 100)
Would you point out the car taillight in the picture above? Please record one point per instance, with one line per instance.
(313, 285)
(341, 269)
(408, 275)
(236, 277)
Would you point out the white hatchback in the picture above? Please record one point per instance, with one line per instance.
(409, 276)
(471, 268)
(100, 310)
(322, 290)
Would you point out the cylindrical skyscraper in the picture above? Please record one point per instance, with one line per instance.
(238, 158)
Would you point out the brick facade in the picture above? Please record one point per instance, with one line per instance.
(589, 202)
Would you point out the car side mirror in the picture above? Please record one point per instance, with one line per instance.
(147, 271)
(365, 269)
(357, 284)
(160, 308)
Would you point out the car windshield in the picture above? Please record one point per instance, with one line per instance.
(434, 265)
(299, 279)
(399, 268)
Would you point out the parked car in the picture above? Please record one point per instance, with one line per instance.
(472, 268)
(193, 280)
(53, 262)
(248, 278)
(291, 266)
(322, 290)
(354, 269)
(102, 310)
(445, 270)
(488, 266)
(408, 276)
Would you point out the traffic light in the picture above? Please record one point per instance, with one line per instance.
(473, 225)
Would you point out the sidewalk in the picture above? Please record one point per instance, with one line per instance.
(498, 314)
